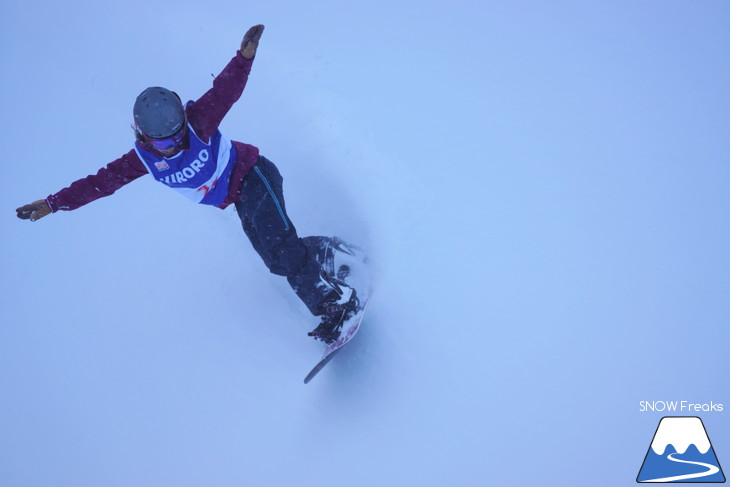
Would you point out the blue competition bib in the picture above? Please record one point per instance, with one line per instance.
(200, 173)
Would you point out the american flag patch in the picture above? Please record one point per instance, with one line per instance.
(162, 166)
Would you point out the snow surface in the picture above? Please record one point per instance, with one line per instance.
(544, 187)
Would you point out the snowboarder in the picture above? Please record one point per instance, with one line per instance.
(181, 146)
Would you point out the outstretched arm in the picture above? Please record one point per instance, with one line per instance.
(208, 111)
(105, 182)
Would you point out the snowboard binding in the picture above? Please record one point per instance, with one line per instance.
(340, 305)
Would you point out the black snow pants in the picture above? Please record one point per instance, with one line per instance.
(273, 236)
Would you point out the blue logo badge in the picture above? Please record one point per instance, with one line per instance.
(680, 452)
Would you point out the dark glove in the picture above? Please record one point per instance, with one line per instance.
(34, 211)
(250, 41)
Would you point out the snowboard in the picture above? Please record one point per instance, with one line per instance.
(349, 328)
(349, 264)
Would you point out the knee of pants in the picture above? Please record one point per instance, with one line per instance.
(284, 258)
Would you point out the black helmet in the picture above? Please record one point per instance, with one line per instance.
(158, 112)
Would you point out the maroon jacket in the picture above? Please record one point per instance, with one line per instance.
(205, 115)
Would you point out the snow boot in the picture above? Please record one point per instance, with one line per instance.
(339, 305)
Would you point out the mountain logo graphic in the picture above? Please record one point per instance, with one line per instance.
(680, 452)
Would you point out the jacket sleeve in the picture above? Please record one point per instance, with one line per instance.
(206, 114)
(105, 182)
